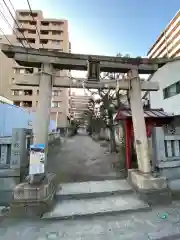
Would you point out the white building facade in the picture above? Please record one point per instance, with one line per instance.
(168, 96)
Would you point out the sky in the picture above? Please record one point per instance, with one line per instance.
(106, 27)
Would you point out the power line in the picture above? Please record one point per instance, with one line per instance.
(15, 22)
(12, 6)
(14, 11)
(5, 19)
(5, 36)
(34, 20)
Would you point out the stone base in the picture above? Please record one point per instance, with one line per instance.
(9, 178)
(33, 200)
(152, 190)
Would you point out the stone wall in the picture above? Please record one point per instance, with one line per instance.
(14, 160)
(166, 153)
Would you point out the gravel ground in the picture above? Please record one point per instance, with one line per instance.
(82, 159)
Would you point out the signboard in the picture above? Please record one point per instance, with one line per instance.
(93, 70)
(37, 159)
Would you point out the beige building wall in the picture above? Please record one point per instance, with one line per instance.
(78, 104)
(40, 33)
(6, 66)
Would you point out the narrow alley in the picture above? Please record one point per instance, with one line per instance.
(80, 158)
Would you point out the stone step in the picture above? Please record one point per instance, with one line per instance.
(108, 205)
(91, 189)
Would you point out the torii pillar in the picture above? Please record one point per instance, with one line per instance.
(142, 179)
(139, 126)
(42, 119)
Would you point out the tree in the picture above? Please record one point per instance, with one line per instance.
(100, 111)
(74, 125)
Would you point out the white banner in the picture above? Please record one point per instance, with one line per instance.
(37, 161)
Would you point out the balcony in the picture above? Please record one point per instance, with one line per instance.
(22, 98)
(51, 46)
(26, 15)
(26, 25)
(26, 34)
(33, 80)
(51, 27)
(18, 43)
(22, 94)
(50, 36)
(24, 104)
(26, 79)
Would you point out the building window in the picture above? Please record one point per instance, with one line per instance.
(178, 87)
(26, 104)
(24, 14)
(45, 23)
(28, 92)
(32, 31)
(43, 32)
(32, 22)
(17, 92)
(16, 70)
(56, 93)
(43, 41)
(20, 30)
(31, 40)
(27, 40)
(171, 90)
(29, 70)
(55, 104)
(57, 33)
(57, 42)
(56, 24)
(34, 15)
(23, 22)
(17, 103)
(22, 71)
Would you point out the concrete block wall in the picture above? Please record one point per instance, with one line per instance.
(168, 166)
(14, 171)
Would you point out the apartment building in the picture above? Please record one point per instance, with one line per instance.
(168, 77)
(168, 43)
(33, 30)
(78, 104)
(6, 73)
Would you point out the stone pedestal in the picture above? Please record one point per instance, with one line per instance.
(152, 190)
(33, 200)
(9, 178)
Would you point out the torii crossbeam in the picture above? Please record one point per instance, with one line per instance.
(49, 61)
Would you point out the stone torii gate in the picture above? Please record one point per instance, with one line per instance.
(50, 61)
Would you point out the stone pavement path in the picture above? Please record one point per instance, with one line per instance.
(136, 226)
(82, 159)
